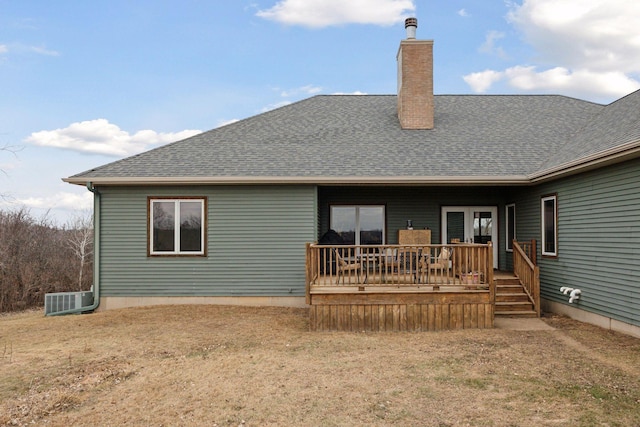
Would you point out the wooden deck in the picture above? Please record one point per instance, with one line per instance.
(376, 293)
(404, 309)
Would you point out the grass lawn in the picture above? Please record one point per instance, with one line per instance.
(231, 366)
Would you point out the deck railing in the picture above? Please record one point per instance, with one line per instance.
(529, 249)
(431, 267)
(527, 271)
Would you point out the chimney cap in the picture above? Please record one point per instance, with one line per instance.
(410, 24)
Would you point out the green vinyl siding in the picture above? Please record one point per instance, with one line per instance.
(598, 240)
(255, 243)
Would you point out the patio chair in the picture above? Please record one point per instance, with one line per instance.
(348, 267)
(403, 265)
(439, 266)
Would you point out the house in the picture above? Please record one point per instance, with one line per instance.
(224, 216)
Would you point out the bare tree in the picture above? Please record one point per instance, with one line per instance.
(9, 149)
(80, 241)
(33, 260)
(38, 257)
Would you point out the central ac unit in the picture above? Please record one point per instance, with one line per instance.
(62, 301)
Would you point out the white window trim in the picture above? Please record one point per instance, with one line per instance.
(468, 220)
(176, 216)
(555, 228)
(509, 245)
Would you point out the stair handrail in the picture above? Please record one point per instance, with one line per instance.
(527, 271)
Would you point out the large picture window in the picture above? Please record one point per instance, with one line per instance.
(177, 226)
(549, 225)
(510, 216)
(359, 225)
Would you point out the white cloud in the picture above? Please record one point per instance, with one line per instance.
(296, 93)
(481, 81)
(304, 90)
(577, 83)
(571, 82)
(463, 13)
(489, 45)
(7, 166)
(325, 13)
(226, 122)
(61, 200)
(274, 106)
(101, 137)
(596, 34)
(583, 48)
(43, 51)
(23, 49)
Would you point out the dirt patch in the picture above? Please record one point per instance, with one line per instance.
(217, 365)
(521, 324)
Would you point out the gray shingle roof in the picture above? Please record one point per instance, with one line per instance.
(613, 126)
(348, 136)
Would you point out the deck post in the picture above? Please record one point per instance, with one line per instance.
(536, 289)
(307, 269)
(534, 252)
(490, 281)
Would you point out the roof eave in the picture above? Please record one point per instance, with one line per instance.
(604, 158)
(305, 180)
(611, 156)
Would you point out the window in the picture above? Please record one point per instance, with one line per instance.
(359, 225)
(549, 226)
(177, 226)
(511, 226)
(482, 227)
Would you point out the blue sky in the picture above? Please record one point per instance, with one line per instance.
(84, 83)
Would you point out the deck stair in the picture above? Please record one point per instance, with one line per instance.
(511, 298)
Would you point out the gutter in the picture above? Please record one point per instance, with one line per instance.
(96, 258)
(310, 180)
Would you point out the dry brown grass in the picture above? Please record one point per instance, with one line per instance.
(213, 365)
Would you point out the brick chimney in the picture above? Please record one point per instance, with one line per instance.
(415, 80)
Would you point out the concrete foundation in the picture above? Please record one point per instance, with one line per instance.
(111, 303)
(588, 317)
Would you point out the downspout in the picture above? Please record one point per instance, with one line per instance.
(96, 258)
